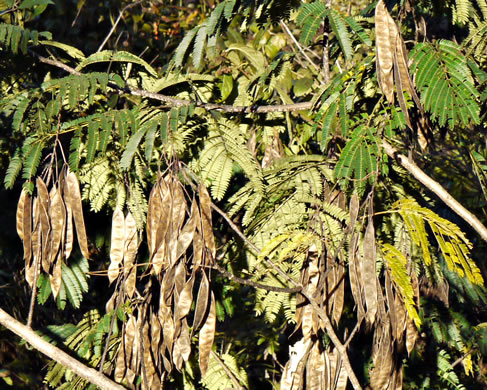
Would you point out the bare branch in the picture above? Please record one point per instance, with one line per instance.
(437, 189)
(56, 354)
(286, 28)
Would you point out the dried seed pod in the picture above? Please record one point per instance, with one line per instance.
(24, 224)
(207, 335)
(74, 197)
(117, 244)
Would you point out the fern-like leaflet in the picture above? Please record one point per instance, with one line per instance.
(445, 83)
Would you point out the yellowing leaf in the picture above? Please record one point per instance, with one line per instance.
(397, 265)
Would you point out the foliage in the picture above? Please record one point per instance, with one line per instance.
(232, 181)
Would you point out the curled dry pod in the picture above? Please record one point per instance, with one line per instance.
(74, 197)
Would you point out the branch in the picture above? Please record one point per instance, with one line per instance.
(288, 31)
(58, 355)
(175, 102)
(437, 189)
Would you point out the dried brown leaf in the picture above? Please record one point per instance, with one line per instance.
(381, 374)
(159, 259)
(29, 273)
(75, 201)
(180, 278)
(207, 335)
(45, 225)
(148, 364)
(120, 365)
(183, 346)
(155, 327)
(116, 244)
(130, 238)
(339, 293)
(167, 285)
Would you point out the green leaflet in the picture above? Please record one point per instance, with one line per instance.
(32, 152)
(358, 160)
(131, 148)
(217, 374)
(310, 18)
(223, 148)
(445, 83)
(11, 36)
(13, 170)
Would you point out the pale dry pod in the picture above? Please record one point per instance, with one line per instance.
(45, 226)
(181, 247)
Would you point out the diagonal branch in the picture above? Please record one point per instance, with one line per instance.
(437, 189)
(56, 354)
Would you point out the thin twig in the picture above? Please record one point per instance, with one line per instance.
(288, 31)
(255, 284)
(437, 189)
(116, 23)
